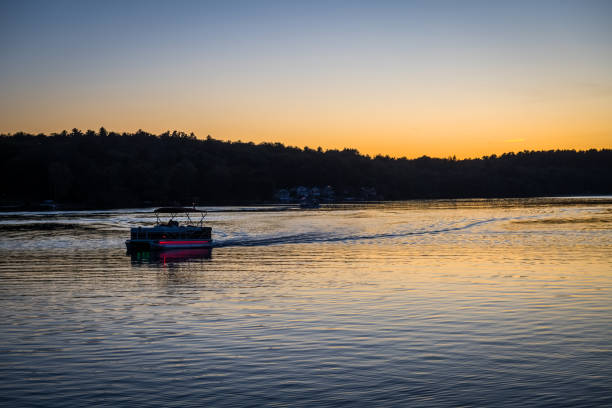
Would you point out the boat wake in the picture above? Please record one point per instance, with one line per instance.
(330, 237)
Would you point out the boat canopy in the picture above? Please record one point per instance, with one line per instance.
(177, 210)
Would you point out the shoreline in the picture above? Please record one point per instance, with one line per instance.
(61, 207)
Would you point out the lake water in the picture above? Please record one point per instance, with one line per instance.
(424, 303)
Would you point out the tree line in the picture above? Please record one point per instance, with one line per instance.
(106, 169)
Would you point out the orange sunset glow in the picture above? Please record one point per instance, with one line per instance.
(398, 79)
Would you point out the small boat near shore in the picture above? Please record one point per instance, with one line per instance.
(171, 235)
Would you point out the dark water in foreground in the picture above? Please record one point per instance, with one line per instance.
(431, 303)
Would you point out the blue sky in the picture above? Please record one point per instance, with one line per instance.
(400, 78)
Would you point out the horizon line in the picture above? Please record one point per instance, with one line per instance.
(180, 133)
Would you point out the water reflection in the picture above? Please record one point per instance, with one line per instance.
(428, 303)
(169, 256)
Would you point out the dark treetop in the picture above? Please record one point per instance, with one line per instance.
(106, 169)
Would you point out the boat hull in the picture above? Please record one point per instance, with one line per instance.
(167, 244)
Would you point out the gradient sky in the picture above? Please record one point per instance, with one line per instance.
(405, 78)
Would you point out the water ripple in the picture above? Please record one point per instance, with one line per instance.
(433, 304)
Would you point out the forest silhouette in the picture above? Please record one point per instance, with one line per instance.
(107, 169)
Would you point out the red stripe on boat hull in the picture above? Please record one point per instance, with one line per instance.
(182, 244)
